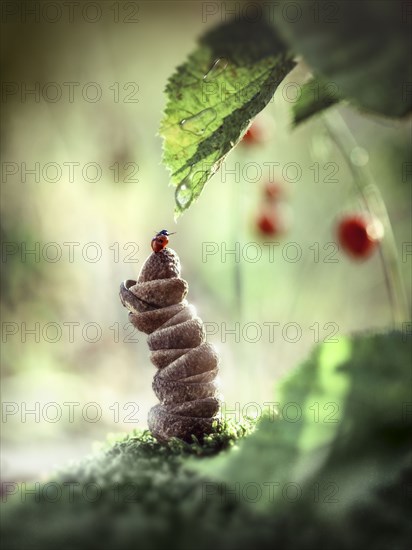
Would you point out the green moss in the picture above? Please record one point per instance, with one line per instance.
(225, 436)
(132, 486)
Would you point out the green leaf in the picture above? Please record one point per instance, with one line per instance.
(342, 419)
(316, 96)
(212, 99)
(360, 47)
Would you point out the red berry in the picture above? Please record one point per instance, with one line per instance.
(267, 225)
(273, 191)
(359, 235)
(253, 136)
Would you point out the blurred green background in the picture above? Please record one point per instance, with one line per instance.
(133, 60)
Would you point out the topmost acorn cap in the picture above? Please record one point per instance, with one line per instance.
(160, 265)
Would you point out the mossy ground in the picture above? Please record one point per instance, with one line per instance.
(137, 493)
(133, 492)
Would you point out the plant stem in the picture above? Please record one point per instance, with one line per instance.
(375, 205)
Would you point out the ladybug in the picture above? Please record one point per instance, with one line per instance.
(160, 240)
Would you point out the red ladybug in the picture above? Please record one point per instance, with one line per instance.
(160, 240)
(358, 235)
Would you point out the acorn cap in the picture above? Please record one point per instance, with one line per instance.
(160, 265)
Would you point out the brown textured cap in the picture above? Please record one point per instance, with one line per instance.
(196, 361)
(179, 392)
(162, 358)
(165, 425)
(160, 265)
(150, 321)
(203, 408)
(130, 301)
(161, 293)
(188, 312)
(186, 335)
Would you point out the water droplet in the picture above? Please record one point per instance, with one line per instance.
(183, 194)
(197, 124)
(217, 68)
(359, 156)
(232, 143)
